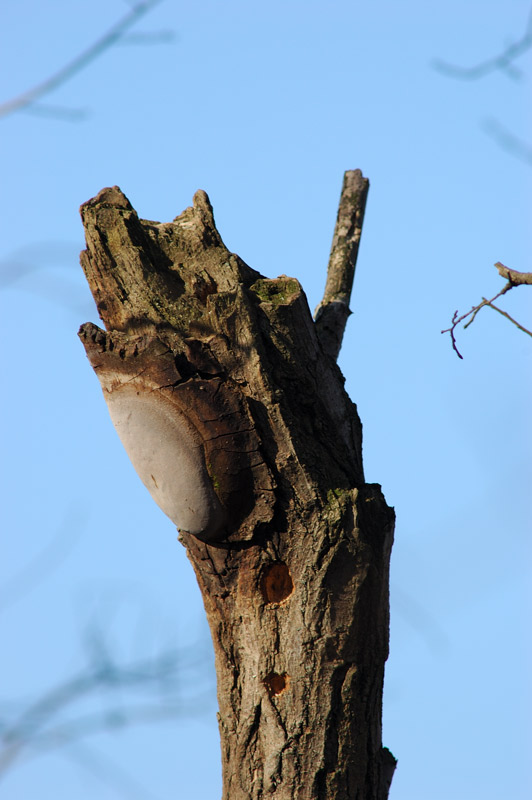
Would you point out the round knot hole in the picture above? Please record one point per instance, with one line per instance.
(276, 684)
(276, 583)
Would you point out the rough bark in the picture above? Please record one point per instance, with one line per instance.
(332, 313)
(237, 420)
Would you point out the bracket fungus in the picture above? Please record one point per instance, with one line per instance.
(167, 454)
(190, 438)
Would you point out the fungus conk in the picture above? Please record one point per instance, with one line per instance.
(167, 454)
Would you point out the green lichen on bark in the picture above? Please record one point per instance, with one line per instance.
(277, 291)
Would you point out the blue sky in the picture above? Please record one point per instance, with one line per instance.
(264, 106)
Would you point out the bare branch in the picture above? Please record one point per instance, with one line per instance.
(514, 278)
(503, 61)
(332, 313)
(505, 314)
(26, 99)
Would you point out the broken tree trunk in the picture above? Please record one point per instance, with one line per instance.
(228, 399)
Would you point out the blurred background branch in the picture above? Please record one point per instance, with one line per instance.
(503, 61)
(107, 694)
(507, 140)
(27, 100)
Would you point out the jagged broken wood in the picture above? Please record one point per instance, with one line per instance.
(513, 276)
(236, 419)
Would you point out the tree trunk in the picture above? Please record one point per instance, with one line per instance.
(229, 401)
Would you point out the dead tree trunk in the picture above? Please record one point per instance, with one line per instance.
(229, 401)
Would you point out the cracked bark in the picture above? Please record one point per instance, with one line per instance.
(290, 546)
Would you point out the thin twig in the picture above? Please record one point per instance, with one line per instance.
(82, 60)
(332, 313)
(451, 331)
(503, 61)
(514, 278)
(505, 314)
(474, 311)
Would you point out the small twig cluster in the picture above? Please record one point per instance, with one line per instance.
(514, 278)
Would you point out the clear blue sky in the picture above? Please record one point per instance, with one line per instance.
(264, 106)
